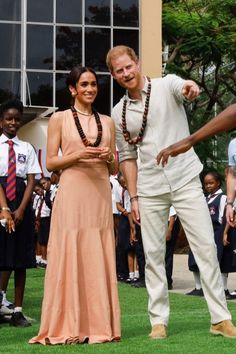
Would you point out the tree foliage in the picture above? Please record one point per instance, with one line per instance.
(201, 35)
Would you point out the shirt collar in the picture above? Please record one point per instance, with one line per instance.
(215, 194)
(4, 139)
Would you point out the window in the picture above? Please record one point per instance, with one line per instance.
(48, 37)
(10, 10)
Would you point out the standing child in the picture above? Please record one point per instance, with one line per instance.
(18, 162)
(228, 260)
(216, 201)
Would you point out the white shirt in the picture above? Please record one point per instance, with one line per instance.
(26, 159)
(166, 124)
(53, 189)
(172, 212)
(116, 189)
(126, 199)
(45, 211)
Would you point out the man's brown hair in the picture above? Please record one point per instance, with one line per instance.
(117, 51)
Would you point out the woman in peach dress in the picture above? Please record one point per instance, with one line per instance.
(80, 301)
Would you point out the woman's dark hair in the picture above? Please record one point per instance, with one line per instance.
(17, 104)
(75, 74)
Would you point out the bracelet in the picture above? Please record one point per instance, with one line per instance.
(6, 208)
(124, 211)
(135, 197)
(111, 159)
(230, 203)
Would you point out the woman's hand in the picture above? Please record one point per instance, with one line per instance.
(173, 150)
(89, 152)
(10, 225)
(106, 153)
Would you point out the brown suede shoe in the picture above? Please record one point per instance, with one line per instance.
(224, 328)
(159, 331)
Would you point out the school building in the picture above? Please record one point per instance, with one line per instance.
(42, 40)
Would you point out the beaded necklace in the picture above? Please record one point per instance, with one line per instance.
(126, 133)
(84, 139)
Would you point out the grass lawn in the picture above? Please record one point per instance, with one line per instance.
(188, 327)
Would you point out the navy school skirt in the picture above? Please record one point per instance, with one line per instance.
(17, 250)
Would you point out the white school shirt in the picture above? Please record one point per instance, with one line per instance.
(116, 189)
(166, 124)
(221, 205)
(53, 190)
(118, 199)
(45, 211)
(26, 158)
(172, 212)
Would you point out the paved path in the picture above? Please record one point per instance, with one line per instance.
(183, 278)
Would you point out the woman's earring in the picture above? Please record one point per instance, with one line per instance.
(73, 94)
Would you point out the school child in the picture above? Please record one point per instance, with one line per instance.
(228, 260)
(38, 200)
(43, 217)
(216, 201)
(45, 183)
(18, 164)
(55, 179)
(131, 259)
(123, 245)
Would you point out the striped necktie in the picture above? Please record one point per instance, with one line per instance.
(11, 176)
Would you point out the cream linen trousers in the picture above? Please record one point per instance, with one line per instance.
(192, 210)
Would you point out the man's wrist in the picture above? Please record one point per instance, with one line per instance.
(135, 197)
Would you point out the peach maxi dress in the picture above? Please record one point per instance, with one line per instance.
(80, 296)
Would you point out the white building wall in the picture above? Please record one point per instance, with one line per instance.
(35, 132)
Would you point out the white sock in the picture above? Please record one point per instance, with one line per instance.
(5, 302)
(131, 275)
(38, 258)
(136, 274)
(18, 309)
(225, 280)
(44, 261)
(197, 280)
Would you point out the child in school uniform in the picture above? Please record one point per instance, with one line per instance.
(42, 222)
(216, 201)
(18, 167)
(228, 260)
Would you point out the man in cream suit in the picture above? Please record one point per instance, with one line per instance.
(148, 118)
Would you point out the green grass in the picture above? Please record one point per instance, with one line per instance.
(188, 328)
